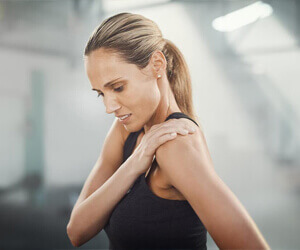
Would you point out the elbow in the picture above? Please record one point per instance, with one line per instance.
(73, 236)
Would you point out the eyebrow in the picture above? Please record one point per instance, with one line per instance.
(110, 83)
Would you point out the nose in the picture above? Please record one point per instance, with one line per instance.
(111, 105)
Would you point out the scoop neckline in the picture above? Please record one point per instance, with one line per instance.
(142, 176)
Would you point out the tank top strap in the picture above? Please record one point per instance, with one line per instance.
(178, 115)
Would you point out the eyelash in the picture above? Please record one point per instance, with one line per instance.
(119, 89)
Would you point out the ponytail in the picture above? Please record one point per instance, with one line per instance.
(179, 78)
(135, 38)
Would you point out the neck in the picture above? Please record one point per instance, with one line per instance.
(166, 107)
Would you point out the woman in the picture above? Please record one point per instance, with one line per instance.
(170, 202)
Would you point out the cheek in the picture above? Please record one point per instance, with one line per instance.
(153, 97)
(143, 102)
(148, 100)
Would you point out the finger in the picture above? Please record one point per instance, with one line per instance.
(183, 131)
(166, 137)
(183, 124)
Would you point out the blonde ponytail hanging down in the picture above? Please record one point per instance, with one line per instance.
(179, 78)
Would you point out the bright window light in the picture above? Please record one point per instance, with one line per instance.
(117, 5)
(242, 17)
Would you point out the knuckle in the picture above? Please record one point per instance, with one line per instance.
(171, 121)
(160, 140)
(153, 127)
(165, 126)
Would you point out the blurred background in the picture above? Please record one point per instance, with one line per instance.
(244, 59)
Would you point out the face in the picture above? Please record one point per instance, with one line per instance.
(134, 91)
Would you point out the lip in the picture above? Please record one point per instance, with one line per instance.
(122, 115)
(126, 119)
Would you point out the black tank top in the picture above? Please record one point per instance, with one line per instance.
(142, 220)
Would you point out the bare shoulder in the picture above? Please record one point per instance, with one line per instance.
(195, 141)
(182, 151)
(187, 164)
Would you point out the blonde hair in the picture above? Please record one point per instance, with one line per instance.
(135, 37)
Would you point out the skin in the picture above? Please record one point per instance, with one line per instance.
(150, 100)
(145, 95)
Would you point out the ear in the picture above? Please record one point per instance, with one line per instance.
(158, 63)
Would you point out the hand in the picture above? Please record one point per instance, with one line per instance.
(158, 135)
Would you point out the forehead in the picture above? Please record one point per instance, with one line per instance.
(105, 64)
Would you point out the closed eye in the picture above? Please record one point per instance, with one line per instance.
(119, 89)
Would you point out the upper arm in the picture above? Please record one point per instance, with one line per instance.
(187, 164)
(108, 162)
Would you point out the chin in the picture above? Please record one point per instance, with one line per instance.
(132, 129)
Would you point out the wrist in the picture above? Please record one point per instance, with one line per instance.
(133, 164)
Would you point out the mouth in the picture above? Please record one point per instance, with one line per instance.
(125, 118)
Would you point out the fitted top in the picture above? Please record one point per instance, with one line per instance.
(143, 220)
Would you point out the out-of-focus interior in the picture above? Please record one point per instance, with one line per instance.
(244, 60)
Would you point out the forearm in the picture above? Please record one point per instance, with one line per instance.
(232, 226)
(92, 214)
